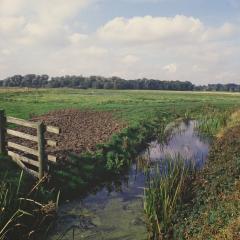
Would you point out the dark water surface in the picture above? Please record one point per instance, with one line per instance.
(118, 214)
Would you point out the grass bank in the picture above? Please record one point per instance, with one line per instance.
(183, 203)
(213, 212)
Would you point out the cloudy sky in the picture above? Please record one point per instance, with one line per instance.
(195, 40)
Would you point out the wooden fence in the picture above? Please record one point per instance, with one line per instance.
(36, 167)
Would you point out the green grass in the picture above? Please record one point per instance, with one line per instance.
(129, 105)
(210, 123)
(165, 186)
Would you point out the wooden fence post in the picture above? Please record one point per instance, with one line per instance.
(41, 149)
(2, 132)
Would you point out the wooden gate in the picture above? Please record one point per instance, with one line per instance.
(33, 160)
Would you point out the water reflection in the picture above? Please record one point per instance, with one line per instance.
(117, 213)
(184, 141)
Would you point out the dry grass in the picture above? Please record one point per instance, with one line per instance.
(230, 232)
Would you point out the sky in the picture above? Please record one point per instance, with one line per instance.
(187, 40)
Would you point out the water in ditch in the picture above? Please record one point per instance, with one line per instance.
(117, 213)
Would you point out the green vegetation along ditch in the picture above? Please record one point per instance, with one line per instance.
(100, 212)
(143, 111)
(213, 212)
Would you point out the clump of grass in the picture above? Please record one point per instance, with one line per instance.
(166, 184)
(9, 212)
(209, 124)
(234, 119)
(187, 116)
(21, 216)
(126, 145)
(162, 135)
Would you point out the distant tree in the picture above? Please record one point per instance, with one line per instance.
(98, 82)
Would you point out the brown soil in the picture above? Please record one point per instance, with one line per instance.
(80, 131)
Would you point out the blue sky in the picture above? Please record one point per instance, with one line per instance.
(210, 11)
(198, 40)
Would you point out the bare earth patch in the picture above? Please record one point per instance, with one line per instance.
(80, 130)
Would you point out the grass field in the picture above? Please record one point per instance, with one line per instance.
(129, 105)
(132, 107)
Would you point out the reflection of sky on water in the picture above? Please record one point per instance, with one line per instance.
(185, 143)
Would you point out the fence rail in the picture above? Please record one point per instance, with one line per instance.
(36, 167)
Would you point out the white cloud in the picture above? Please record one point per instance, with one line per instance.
(196, 68)
(38, 20)
(76, 38)
(170, 68)
(226, 31)
(9, 25)
(130, 59)
(95, 51)
(6, 52)
(149, 29)
(13, 7)
(48, 37)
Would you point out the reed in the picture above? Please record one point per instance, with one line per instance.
(9, 207)
(20, 214)
(166, 184)
(209, 124)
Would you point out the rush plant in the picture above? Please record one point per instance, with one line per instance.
(166, 184)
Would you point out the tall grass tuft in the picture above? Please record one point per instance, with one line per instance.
(9, 207)
(209, 124)
(21, 216)
(166, 184)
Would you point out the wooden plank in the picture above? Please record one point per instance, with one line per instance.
(2, 132)
(23, 148)
(52, 129)
(41, 149)
(51, 143)
(21, 122)
(22, 135)
(23, 159)
(52, 158)
(29, 171)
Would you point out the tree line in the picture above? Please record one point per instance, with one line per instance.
(98, 82)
